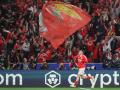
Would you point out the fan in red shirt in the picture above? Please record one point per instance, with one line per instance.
(81, 60)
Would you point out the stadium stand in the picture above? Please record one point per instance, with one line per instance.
(22, 47)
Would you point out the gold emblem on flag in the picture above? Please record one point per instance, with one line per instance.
(60, 7)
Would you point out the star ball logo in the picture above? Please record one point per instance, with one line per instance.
(52, 79)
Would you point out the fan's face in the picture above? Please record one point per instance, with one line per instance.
(80, 52)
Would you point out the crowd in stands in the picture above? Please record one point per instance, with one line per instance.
(21, 42)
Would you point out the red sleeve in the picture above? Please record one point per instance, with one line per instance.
(85, 59)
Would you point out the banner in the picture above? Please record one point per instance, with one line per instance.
(53, 79)
(59, 20)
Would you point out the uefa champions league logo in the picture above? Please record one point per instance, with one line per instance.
(52, 79)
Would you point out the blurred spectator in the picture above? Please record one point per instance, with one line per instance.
(25, 64)
(61, 66)
(26, 48)
(32, 63)
(116, 61)
(44, 66)
(107, 62)
(73, 65)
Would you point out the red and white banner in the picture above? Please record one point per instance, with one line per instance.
(59, 20)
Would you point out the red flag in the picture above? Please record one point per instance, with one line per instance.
(60, 20)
